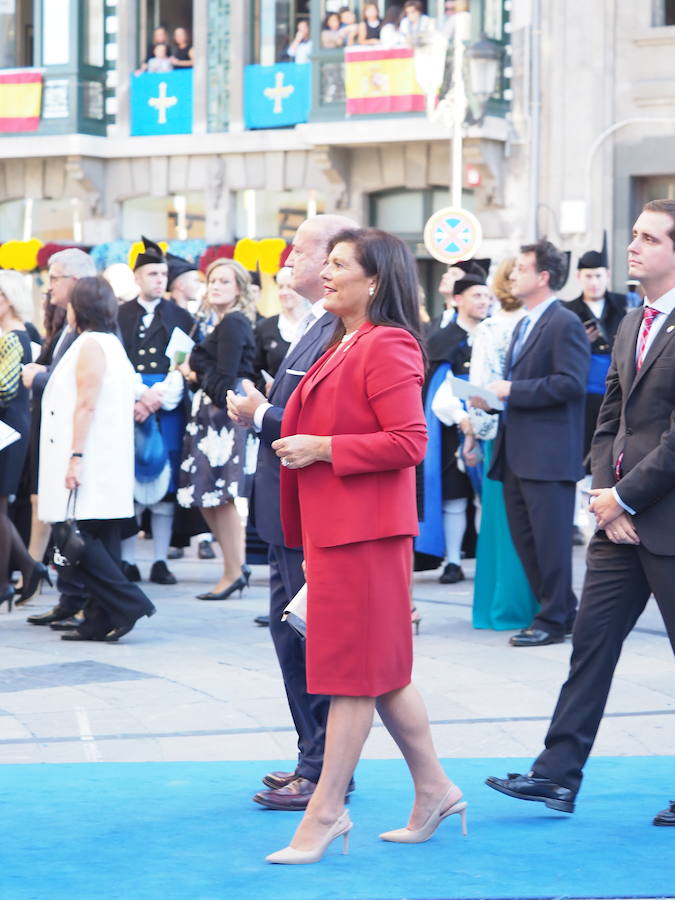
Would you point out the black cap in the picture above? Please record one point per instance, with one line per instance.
(152, 254)
(479, 267)
(178, 266)
(471, 280)
(594, 259)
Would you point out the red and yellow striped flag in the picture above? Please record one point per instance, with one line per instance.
(382, 81)
(20, 99)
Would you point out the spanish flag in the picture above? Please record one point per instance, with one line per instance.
(20, 99)
(382, 81)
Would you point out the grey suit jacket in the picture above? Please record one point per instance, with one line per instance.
(637, 418)
(309, 348)
(41, 378)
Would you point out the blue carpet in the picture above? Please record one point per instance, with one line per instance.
(159, 831)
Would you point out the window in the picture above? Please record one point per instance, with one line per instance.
(93, 32)
(158, 22)
(16, 28)
(273, 27)
(263, 214)
(181, 217)
(664, 12)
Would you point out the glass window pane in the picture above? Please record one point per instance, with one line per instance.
(93, 37)
(8, 32)
(401, 212)
(55, 32)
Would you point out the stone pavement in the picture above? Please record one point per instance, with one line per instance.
(199, 681)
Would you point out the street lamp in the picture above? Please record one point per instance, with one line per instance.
(484, 57)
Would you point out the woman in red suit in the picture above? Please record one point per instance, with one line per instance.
(353, 432)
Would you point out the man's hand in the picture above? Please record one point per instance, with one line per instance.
(151, 400)
(242, 409)
(300, 450)
(501, 388)
(592, 332)
(29, 372)
(479, 403)
(140, 412)
(469, 450)
(621, 531)
(604, 507)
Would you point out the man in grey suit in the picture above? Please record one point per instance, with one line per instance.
(291, 790)
(632, 555)
(65, 268)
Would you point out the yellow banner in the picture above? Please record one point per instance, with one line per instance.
(18, 101)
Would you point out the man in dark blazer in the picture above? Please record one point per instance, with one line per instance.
(291, 790)
(146, 325)
(538, 448)
(632, 555)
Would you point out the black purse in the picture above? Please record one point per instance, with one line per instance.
(67, 540)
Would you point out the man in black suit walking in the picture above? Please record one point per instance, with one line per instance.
(538, 446)
(291, 790)
(632, 555)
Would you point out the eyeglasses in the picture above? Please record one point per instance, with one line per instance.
(53, 278)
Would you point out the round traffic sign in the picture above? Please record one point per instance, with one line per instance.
(452, 234)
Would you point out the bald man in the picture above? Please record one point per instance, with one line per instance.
(291, 790)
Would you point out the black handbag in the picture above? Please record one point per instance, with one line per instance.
(67, 540)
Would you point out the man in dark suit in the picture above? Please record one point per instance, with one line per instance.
(537, 452)
(291, 790)
(632, 555)
(65, 268)
(146, 325)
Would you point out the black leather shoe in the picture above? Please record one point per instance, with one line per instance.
(76, 636)
(532, 787)
(160, 574)
(56, 614)
(666, 816)
(67, 625)
(116, 633)
(175, 553)
(534, 637)
(130, 571)
(205, 550)
(263, 621)
(452, 573)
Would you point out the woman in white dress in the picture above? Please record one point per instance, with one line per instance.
(87, 445)
(502, 597)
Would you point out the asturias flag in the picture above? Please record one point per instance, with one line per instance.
(382, 81)
(20, 99)
(277, 96)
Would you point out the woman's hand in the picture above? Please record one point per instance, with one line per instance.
(300, 450)
(73, 473)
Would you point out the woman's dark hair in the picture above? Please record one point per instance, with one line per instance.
(383, 256)
(327, 19)
(393, 16)
(53, 317)
(94, 305)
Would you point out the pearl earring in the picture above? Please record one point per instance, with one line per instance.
(371, 291)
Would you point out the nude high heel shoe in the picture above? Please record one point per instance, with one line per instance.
(289, 856)
(418, 835)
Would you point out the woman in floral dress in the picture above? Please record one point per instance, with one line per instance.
(218, 456)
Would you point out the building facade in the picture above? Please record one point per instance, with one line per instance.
(577, 132)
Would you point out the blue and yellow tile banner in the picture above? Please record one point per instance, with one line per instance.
(161, 103)
(277, 96)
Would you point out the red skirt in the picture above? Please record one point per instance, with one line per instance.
(359, 637)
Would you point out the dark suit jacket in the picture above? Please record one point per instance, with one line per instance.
(541, 435)
(167, 316)
(266, 508)
(612, 314)
(637, 417)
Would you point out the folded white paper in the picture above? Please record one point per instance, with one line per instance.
(465, 389)
(179, 342)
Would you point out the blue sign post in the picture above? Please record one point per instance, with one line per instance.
(161, 103)
(277, 96)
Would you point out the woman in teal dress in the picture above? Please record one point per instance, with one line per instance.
(502, 599)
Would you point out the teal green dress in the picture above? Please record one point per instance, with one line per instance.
(502, 598)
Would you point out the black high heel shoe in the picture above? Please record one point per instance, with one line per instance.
(237, 585)
(39, 574)
(246, 573)
(8, 597)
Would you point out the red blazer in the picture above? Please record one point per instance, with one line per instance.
(369, 398)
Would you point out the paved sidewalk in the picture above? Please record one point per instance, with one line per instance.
(199, 681)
